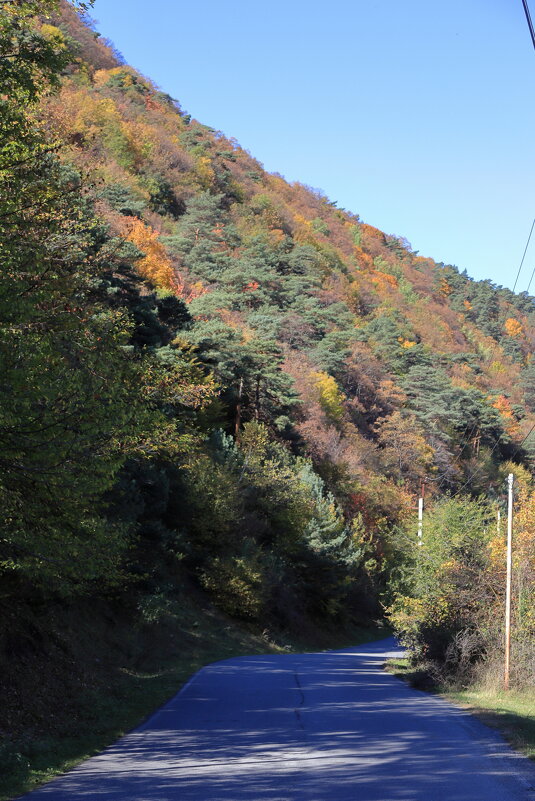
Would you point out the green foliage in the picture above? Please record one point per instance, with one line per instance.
(255, 385)
(32, 60)
(74, 403)
(449, 411)
(448, 596)
(122, 199)
(162, 197)
(528, 385)
(236, 582)
(67, 393)
(256, 427)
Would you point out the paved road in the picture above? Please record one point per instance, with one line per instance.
(311, 727)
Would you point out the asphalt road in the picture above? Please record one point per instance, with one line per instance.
(328, 726)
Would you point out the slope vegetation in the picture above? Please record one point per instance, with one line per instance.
(218, 380)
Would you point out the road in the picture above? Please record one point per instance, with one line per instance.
(327, 726)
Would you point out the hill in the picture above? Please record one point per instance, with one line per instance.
(217, 379)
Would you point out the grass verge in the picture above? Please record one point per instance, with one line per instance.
(512, 713)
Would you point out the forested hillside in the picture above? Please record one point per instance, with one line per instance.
(212, 378)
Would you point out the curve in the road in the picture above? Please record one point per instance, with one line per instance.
(327, 726)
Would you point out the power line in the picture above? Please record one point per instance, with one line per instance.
(530, 24)
(465, 440)
(475, 472)
(480, 468)
(525, 250)
(530, 280)
(532, 32)
(532, 429)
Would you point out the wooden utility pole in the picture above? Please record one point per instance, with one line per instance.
(510, 480)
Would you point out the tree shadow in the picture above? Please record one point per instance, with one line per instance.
(289, 728)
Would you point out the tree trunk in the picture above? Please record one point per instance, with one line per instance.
(257, 399)
(237, 421)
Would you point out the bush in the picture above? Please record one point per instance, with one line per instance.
(236, 584)
(14, 764)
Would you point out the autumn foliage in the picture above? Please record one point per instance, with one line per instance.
(217, 382)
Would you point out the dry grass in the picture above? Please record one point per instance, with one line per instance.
(512, 713)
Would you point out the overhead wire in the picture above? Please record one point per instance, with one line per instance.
(532, 33)
(465, 440)
(530, 23)
(480, 468)
(532, 429)
(524, 256)
(530, 280)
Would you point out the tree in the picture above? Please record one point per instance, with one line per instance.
(250, 372)
(155, 264)
(74, 403)
(406, 453)
(451, 593)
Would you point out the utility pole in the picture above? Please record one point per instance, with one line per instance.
(421, 513)
(510, 480)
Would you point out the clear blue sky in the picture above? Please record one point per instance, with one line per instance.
(417, 115)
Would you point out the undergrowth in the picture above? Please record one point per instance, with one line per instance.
(512, 713)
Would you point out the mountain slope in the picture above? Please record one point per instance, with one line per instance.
(217, 379)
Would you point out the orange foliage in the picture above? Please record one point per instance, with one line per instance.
(185, 290)
(503, 405)
(384, 279)
(369, 230)
(155, 265)
(364, 260)
(445, 288)
(513, 328)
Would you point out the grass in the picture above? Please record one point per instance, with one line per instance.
(512, 713)
(125, 674)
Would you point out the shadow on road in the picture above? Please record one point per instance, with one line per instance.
(287, 728)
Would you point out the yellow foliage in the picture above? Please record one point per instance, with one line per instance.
(300, 220)
(406, 343)
(497, 367)
(503, 405)
(54, 35)
(460, 382)
(330, 397)
(467, 305)
(92, 112)
(101, 77)
(204, 171)
(140, 140)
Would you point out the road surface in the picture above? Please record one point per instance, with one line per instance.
(327, 726)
